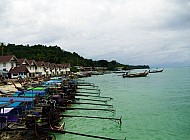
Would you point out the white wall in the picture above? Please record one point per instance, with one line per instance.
(8, 65)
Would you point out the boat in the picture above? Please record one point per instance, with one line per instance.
(9, 111)
(155, 71)
(33, 112)
(137, 74)
(57, 127)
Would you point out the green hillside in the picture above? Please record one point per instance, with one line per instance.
(55, 54)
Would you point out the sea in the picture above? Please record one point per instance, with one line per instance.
(156, 107)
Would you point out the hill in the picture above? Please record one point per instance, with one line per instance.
(55, 54)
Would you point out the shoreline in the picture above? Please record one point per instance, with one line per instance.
(9, 88)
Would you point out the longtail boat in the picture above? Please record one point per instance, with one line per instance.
(156, 71)
(137, 74)
(35, 111)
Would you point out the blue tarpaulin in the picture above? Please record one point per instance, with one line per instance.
(39, 92)
(15, 104)
(26, 95)
(16, 99)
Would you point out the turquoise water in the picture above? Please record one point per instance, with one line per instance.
(156, 107)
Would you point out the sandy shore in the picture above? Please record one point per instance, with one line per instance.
(10, 87)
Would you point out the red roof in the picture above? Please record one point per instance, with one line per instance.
(18, 69)
(23, 60)
(67, 65)
(47, 64)
(32, 61)
(63, 65)
(7, 58)
(52, 64)
(40, 63)
(58, 65)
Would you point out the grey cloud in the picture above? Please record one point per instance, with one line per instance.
(135, 32)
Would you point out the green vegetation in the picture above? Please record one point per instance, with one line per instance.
(55, 54)
(129, 67)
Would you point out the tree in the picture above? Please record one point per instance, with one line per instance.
(54, 54)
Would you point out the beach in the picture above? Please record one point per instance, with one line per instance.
(10, 88)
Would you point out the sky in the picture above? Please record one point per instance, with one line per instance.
(136, 32)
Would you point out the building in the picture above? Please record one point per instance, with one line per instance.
(8, 62)
(47, 68)
(53, 69)
(32, 68)
(67, 68)
(16, 72)
(40, 70)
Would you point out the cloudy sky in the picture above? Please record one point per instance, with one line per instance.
(153, 32)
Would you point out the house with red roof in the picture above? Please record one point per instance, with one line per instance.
(22, 62)
(53, 69)
(58, 69)
(40, 70)
(64, 68)
(32, 68)
(8, 62)
(47, 68)
(21, 71)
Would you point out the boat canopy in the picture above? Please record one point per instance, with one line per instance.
(16, 99)
(6, 110)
